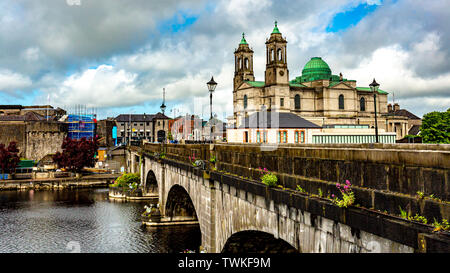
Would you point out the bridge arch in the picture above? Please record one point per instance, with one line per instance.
(151, 183)
(253, 241)
(179, 205)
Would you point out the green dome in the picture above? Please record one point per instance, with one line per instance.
(316, 68)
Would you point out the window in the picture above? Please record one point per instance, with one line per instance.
(282, 102)
(240, 63)
(341, 101)
(362, 104)
(297, 102)
(296, 137)
(159, 123)
(302, 136)
(245, 101)
(245, 136)
(258, 136)
(272, 55)
(265, 136)
(280, 56)
(282, 136)
(246, 63)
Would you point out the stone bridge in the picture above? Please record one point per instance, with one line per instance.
(238, 213)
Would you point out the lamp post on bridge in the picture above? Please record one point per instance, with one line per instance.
(374, 87)
(211, 87)
(163, 109)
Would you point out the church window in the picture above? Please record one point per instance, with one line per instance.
(282, 102)
(341, 101)
(246, 63)
(280, 56)
(272, 55)
(240, 63)
(297, 102)
(245, 102)
(362, 104)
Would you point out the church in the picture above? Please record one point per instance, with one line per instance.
(316, 95)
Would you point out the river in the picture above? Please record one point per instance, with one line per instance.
(83, 221)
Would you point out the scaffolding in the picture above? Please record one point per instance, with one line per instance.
(81, 124)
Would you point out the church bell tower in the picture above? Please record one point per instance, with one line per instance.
(243, 64)
(277, 72)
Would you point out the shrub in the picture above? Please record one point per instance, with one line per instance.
(128, 180)
(9, 158)
(268, 178)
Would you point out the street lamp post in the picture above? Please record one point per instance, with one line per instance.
(211, 87)
(374, 87)
(163, 109)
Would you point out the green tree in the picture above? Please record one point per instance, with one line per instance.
(436, 127)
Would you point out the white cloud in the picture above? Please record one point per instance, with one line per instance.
(11, 81)
(103, 86)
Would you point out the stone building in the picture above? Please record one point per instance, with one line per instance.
(36, 137)
(316, 95)
(137, 128)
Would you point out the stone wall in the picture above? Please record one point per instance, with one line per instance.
(14, 132)
(385, 177)
(43, 138)
(226, 205)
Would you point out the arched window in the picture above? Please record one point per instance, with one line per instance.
(297, 101)
(272, 55)
(280, 56)
(362, 104)
(245, 101)
(341, 101)
(246, 63)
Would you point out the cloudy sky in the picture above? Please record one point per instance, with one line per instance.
(117, 56)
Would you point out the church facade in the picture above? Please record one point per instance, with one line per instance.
(316, 95)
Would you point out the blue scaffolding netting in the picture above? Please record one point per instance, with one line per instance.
(81, 126)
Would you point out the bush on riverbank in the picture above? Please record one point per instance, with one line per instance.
(127, 180)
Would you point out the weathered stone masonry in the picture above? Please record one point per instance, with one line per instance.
(226, 205)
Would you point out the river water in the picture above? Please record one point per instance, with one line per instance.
(83, 221)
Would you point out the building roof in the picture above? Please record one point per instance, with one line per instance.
(415, 130)
(316, 67)
(29, 116)
(367, 89)
(139, 117)
(276, 120)
(403, 113)
(11, 107)
(256, 83)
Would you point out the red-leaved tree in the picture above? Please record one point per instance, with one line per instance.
(77, 154)
(9, 158)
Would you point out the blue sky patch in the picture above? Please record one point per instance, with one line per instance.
(349, 18)
(178, 23)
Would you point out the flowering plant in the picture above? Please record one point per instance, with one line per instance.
(348, 196)
(268, 178)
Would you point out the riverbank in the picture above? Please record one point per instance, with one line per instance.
(86, 181)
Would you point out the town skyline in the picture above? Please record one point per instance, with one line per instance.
(122, 66)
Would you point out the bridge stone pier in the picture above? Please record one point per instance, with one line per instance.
(238, 213)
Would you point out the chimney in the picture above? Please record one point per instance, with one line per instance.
(389, 107)
(396, 107)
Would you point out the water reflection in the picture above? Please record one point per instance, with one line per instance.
(54, 221)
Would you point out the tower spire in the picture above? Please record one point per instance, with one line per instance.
(243, 41)
(275, 29)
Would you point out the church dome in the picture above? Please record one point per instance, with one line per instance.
(316, 68)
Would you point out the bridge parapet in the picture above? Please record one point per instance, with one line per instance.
(385, 178)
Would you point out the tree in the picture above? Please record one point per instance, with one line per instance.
(77, 154)
(436, 127)
(9, 158)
